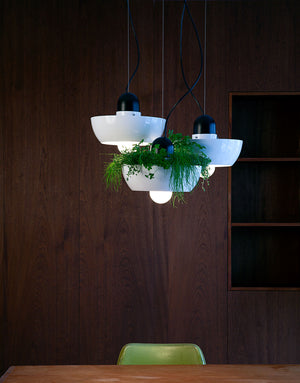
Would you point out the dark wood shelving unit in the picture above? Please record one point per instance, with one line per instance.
(263, 192)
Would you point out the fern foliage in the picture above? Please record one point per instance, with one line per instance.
(187, 155)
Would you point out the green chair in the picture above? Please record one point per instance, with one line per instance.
(158, 353)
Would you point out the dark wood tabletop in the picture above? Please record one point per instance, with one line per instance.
(142, 374)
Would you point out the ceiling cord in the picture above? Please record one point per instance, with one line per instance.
(204, 80)
(201, 54)
(128, 46)
(137, 47)
(190, 89)
(162, 57)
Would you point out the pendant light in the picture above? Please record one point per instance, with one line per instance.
(164, 142)
(127, 127)
(222, 152)
(162, 196)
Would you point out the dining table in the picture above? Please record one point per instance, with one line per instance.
(235, 373)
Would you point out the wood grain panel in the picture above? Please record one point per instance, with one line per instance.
(117, 278)
(191, 237)
(263, 327)
(97, 96)
(258, 55)
(41, 198)
(3, 260)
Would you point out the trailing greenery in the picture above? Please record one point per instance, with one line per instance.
(182, 162)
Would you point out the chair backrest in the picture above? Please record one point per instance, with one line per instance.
(161, 353)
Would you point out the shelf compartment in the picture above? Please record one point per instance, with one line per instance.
(265, 257)
(265, 192)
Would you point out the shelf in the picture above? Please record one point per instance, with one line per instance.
(264, 288)
(269, 159)
(265, 192)
(265, 224)
(265, 257)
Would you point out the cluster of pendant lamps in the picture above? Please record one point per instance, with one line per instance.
(128, 127)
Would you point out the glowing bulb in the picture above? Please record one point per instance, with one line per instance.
(160, 196)
(210, 170)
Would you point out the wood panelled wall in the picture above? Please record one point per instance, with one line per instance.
(84, 269)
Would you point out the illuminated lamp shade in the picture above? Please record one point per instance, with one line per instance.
(221, 151)
(160, 182)
(128, 126)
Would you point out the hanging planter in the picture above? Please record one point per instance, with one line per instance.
(145, 168)
(160, 179)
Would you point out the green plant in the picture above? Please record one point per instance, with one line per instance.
(182, 163)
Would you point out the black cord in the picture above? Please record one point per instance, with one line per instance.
(190, 89)
(137, 47)
(201, 55)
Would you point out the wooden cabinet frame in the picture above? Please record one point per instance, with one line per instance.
(267, 161)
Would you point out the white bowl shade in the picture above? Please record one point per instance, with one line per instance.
(127, 128)
(160, 181)
(221, 151)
